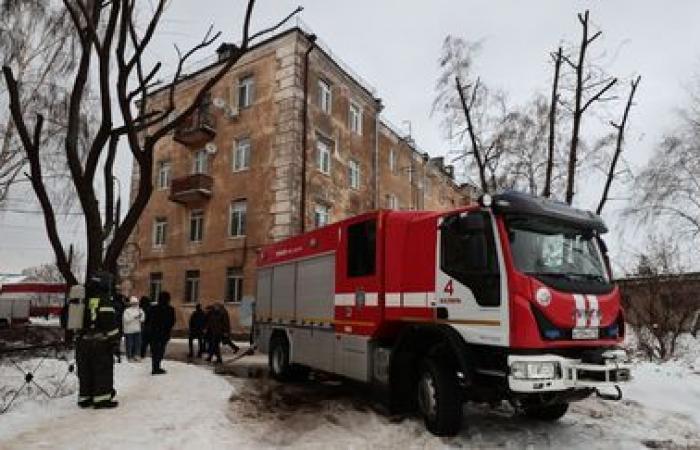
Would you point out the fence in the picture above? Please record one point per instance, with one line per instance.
(33, 367)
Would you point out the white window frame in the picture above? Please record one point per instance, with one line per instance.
(246, 91)
(325, 96)
(160, 232)
(238, 214)
(241, 154)
(355, 118)
(235, 274)
(198, 236)
(163, 180)
(196, 283)
(393, 161)
(392, 201)
(323, 155)
(354, 174)
(322, 215)
(200, 162)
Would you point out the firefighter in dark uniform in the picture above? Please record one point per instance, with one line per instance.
(95, 344)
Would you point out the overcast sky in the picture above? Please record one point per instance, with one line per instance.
(394, 45)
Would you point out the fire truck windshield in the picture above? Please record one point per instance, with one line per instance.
(566, 257)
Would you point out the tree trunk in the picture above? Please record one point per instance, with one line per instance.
(547, 192)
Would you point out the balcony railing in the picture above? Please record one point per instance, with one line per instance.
(198, 129)
(191, 189)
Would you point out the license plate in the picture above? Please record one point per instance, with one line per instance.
(584, 333)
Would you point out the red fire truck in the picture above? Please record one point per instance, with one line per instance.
(507, 299)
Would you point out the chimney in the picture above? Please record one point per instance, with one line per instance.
(438, 161)
(225, 50)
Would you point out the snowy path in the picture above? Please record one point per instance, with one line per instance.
(191, 408)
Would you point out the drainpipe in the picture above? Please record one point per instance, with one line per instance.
(377, 123)
(304, 120)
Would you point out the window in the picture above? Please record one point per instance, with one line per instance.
(192, 286)
(392, 202)
(238, 218)
(246, 92)
(354, 174)
(323, 155)
(393, 163)
(200, 162)
(160, 231)
(468, 254)
(163, 180)
(325, 98)
(426, 187)
(241, 154)
(321, 215)
(155, 285)
(362, 248)
(234, 285)
(355, 118)
(196, 225)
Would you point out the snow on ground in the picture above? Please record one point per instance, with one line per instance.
(191, 407)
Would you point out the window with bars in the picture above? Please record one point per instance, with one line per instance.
(237, 221)
(391, 201)
(160, 231)
(192, 286)
(241, 154)
(196, 225)
(234, 285)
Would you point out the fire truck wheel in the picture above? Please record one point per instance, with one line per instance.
(547, 413)
(280, 369)
(439, 399)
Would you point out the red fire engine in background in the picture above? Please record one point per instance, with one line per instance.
(508, 299)
(21, 300)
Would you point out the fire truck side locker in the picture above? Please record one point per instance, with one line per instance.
(298, 300)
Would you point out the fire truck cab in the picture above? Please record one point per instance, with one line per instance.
(508, 299)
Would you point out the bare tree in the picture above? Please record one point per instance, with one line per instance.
(111, 45)
(585, 82)
(50, 273)
(618, 145)
(558, 57)
(667, 190)
(37, 41)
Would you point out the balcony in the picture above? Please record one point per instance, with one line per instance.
(191, 190)
(198, 129)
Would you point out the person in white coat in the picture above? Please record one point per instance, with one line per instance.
(132, 319)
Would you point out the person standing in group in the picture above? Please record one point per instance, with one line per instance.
(95, 343)
(145, 305)
(219, 329)
(196, 330)
(161, 324)
(133, 317)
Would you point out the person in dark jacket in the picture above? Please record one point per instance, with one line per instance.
(145, 304)
(162, 322)
(196, 330)
(219, 329)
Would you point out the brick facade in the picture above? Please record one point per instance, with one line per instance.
(356, 176)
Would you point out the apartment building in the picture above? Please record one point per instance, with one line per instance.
(274, 150)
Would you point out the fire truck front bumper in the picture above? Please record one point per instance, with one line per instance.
(552, 373)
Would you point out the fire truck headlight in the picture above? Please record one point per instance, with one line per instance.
(535, 370)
